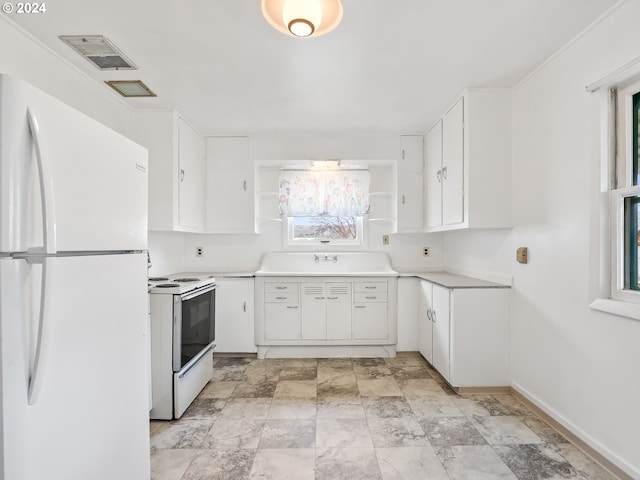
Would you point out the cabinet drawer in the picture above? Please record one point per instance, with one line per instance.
(281, 287)
(363, 297)
(370, 287)
(281, 297)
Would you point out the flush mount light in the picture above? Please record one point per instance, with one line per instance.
(131, 88)
(303, 18)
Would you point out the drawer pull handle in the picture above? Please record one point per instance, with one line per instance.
(360, 306)
(370, 298)
(292, 306)
(319, 298)
(281, 298)
(370, 287)
(332, 298)
(281, 288)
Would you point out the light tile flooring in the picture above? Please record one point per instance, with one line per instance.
(366, 418)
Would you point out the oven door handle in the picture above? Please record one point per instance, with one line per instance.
(192, 363)
(199, 291)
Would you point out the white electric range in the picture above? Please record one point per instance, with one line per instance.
(182, 340)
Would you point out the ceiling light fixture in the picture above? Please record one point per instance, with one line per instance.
(303, 18)
(130, 88)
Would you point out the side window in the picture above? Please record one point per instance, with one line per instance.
(625, 196)
(632, 204)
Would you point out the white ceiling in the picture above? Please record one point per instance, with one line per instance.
(391, 66)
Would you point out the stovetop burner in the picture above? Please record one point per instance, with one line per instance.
(167, 285)
(186, 279)
(158, 279)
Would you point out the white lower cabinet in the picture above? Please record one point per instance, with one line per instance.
(281, 301)
(234, 315)
(441, 338)
(283, 321)
(425, 326)
(327, 311)
(464, 334)
(338, 311)
(370, 310)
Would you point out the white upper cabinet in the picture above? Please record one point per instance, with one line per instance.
(452, 172)
(176, 171)
(410, 184)
(191, 165)
(433, 180)
(230, 186)
(468, 163)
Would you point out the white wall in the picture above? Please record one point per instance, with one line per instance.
(582, 366)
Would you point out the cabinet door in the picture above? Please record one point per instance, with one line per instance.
(433, 179)
(410, 201)
(234, 319)
(453, 165)
(281, 321)
(339, 311)
(313, 318)
(370, 321)
(441, 336)
(230, 186)
(411, 153)
(425, 324)
(191, 174)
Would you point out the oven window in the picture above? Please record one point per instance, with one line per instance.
(198, 325)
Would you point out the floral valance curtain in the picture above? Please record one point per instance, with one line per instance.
(335, 192)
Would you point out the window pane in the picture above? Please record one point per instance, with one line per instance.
(325, 228)
(631, 212)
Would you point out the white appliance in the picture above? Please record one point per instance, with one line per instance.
(73, 294)
(183, 328)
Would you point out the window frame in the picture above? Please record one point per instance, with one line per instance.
(290, 241)
(624, 164)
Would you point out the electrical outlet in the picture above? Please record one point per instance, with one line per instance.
(522, 255)
(199, 251)
(425, 251)
(385, 239)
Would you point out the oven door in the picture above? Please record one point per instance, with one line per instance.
(193, 324)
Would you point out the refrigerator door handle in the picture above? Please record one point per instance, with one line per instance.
(46, 189)
(42, 340)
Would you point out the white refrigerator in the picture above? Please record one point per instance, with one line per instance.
(73, 294)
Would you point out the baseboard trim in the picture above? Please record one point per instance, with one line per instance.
(576, 440)
(482, 390)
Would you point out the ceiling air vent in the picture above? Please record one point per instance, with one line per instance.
(99, 51)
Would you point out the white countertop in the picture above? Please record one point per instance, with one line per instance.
(452, 280)
(444, 279)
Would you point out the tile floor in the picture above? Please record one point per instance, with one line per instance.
(355, 419)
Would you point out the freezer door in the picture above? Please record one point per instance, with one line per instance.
(90, 417)
(90, 180)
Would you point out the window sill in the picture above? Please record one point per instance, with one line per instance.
(617, 307)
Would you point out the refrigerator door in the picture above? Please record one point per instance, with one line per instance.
(89, 418)
(92, 181)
